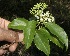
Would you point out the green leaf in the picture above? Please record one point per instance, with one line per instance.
(56, 41)
(51, 38)
(42, 42)
(59, 32)
(18, 23)
(29, 33)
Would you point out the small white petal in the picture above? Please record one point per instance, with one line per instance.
(45, 18)
(52, 19)
(37, 20)
(41, 15)
(37, 16)
(49, 20)
(41, 19)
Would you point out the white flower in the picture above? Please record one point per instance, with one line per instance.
(37, 16)
(41, 19)
(39, 12)
(41, 15)
(52, 19)
(47, 13)
(49, 20)
(45, 18)
(37, 20)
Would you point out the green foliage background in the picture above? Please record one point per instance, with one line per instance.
(60, 9)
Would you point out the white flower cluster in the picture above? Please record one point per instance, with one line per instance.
(38, 8)
(45, 17)
(37, 11)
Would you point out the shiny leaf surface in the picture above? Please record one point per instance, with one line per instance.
(42, 42)
(59, 32)
(18, 23)
(29, 33)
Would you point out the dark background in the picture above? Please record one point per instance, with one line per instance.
(60, 9)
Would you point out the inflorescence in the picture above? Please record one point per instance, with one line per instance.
(38, 12)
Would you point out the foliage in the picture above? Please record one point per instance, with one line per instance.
(42, 31)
